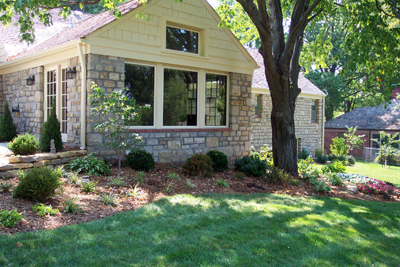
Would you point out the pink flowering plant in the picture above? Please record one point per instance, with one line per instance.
(376, 187)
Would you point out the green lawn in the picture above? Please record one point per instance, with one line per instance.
(376, 171)
(222, 230)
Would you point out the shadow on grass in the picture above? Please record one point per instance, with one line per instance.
(222, 230)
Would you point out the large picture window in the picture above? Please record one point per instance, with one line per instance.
(180, 98)
(215, 112)
(139, 81)
(182, 40)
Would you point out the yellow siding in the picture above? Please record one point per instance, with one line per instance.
(141, 39)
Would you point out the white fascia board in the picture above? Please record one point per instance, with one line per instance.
(256, 90)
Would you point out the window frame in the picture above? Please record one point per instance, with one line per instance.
(201, 94)
(199, 36)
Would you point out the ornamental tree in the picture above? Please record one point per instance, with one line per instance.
(386, 143)
(113, 113)
(7, 127)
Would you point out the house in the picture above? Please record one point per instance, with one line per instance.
(370, 121)
(309, 112)
(196, 77)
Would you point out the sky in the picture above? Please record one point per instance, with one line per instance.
(213, 3)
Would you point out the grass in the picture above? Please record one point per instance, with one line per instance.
(222, 230)
(376, 171)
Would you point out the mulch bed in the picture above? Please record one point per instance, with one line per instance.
(154, 187)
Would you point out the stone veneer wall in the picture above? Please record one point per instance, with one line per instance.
(177, 145)
(28, 98)
(309, 132)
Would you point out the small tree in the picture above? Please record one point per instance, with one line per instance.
(342, 146)
(113, 113)
(7, 127)
(386, 144)
(51, 130)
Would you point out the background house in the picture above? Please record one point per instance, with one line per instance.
(370, 121)
(196, 76)
(309, 113)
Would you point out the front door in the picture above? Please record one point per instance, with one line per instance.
(55, 92)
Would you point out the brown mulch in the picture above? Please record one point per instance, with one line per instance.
(154, 187)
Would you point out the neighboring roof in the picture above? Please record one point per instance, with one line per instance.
(260, 81)
(9, 36)
(81, 29)
(369, 118)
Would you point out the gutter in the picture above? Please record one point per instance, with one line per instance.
(83, 92)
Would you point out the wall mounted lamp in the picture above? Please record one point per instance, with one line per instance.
(30, 80)
(71, 73)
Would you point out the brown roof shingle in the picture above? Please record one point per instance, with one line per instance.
(369, 118)
(260, 81)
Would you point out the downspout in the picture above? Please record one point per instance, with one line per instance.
(323, 124)
(83, 94)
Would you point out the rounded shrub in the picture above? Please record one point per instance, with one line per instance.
(320, 158)
(350, 160)
(219, 160)
(140, 160)
(51, 130)
(7, 127)
(392, 160)
(277, 175)
(24, 144)
(303, 154)
(251, 166)
(37, 184)
(198, 165)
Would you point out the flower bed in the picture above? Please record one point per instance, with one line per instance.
(368, 185)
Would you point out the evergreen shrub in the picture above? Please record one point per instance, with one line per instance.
(251, 166)
(37, 184)
(51, 130)
(7, 127)
(140, 160)
(219, 160)
(198, 165)
(24, 144)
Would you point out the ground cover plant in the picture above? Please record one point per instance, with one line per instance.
(89, 165)
(222, 230)
(376, 171)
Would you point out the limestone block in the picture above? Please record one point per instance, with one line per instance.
(6, 167)
(174, 144)
(165, 156)
(199, 140)
(22, 166)
(8, 174)
(60, 161)
(42, 163)
(212, 142)
(45, 156)
(152, 142)
(22, 159)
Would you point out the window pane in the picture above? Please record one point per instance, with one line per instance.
(180, 98)
(182, 40)
(139, 81)
(215, 100)
(313, 111)
(256, 106)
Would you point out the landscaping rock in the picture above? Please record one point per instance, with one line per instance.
(8, 174)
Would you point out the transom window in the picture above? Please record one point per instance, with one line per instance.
(182, 40)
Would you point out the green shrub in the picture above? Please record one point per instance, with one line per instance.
(335, 180)
(303, 154)
(335, 167)
(44, 210)
(37, 184)
(24, 144)
(70, 206)
(333, 157)
(140, 177)
(219, 160)
(308, 169)
(89, 165)
(140, 160)
(9, 218)
(7, 127)
(264, 153)
(320, 157)
(173, 175)
(51, 130)
(222, 183)
(107, 199)
(392, 160)
(198, 165)
(277, 175)
(350, 160)
(320, 186)
(294, 182)
(117, 181)
(251, 166)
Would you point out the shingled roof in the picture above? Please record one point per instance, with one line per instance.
(369, 118)
(81, 29)
(10, 35)
(260, 81)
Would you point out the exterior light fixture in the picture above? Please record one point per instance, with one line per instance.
(71, 73)
(30, 80)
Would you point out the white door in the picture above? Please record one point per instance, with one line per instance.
(55, 92)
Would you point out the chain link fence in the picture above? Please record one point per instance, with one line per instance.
(370, 154)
